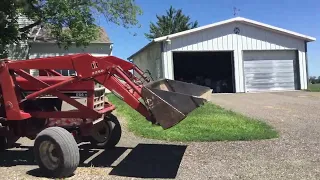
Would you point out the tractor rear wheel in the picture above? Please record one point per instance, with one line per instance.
(107, 133)
(56, 152)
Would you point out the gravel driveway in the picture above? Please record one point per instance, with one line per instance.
(295, 155)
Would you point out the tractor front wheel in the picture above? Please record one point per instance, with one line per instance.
(3, 143)
(56, 152)
(107, 133)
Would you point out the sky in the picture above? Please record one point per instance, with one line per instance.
(302, 16)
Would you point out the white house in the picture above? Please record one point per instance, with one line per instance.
(40, 44)
(235, 55)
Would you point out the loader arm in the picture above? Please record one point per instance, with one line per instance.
(108, 71)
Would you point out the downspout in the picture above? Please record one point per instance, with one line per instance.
(32, 71)
(34, 39)
(111, 49)
(306, 58)
(162, 60)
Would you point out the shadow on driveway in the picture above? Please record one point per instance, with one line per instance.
(143, 161)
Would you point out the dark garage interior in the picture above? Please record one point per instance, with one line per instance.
(211, 69)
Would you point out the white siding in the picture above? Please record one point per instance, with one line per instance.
(40, 50)
(223, 38)
(150, 59)
(20, 51)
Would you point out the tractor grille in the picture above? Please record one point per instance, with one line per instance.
(99, 97)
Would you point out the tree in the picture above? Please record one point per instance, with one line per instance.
(69, 21)
(312, 79)
(174, 21)
(8, 25)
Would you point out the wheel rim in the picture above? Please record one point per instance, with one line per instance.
(49, 155)
(100, 132)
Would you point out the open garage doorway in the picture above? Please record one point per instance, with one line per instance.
(211, 69)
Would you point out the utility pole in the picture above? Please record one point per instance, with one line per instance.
(235, 11)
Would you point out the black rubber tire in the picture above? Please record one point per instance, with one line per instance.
(67, 152)
(3, 143)
(115, 136)
(7, 143)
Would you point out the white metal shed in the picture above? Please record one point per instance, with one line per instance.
(258, 57)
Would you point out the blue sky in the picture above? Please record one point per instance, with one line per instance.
(299, 16)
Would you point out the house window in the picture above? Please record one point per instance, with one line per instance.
(72, 73)
(65, 72)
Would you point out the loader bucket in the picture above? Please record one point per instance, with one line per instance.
(171, 101)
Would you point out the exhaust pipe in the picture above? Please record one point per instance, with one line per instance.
(171, 101)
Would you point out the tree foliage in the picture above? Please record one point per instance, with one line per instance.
(174, 21)
(314, 79)
(8, 25)
(69, 21)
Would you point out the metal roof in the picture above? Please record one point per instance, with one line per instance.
(236, 19)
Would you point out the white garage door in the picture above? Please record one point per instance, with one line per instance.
(269, 70)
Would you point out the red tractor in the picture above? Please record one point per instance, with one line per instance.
(59, 112)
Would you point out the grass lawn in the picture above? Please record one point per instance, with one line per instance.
(207, 123)
(314, 87)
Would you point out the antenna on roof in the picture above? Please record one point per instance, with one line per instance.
(235, 11)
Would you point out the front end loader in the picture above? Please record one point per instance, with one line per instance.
(59, 112)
